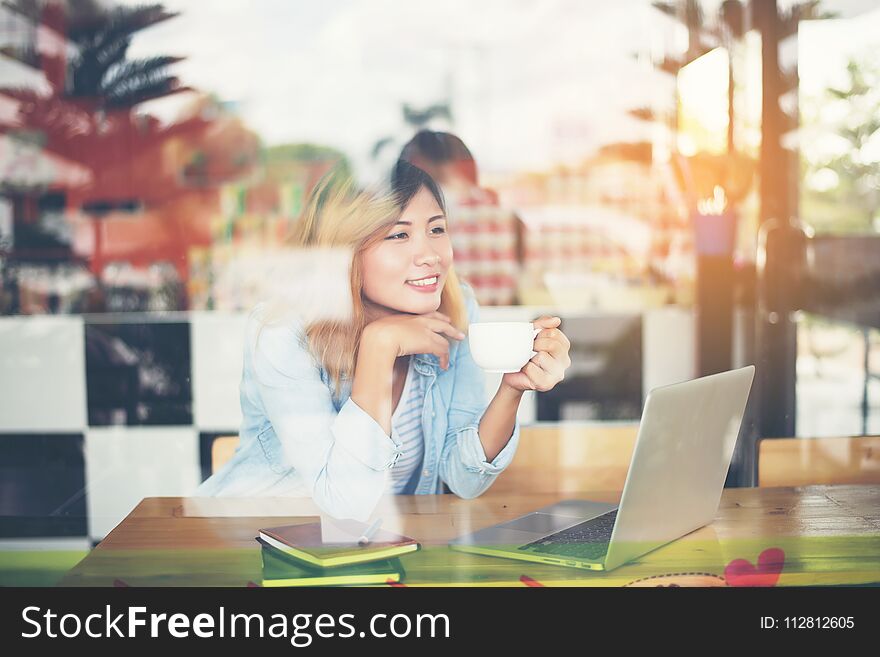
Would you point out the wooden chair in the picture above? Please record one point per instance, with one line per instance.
(222, 450)
(570, 457)
(805, 461)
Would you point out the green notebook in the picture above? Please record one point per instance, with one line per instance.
(279, 570)
(304, 542)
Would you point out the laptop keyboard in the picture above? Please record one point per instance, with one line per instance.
(587, 540)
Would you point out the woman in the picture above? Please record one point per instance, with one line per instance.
(391, 401)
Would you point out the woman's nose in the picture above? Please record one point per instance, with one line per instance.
(428, 259)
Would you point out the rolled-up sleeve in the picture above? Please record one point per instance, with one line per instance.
(463, 465)
(343, 457)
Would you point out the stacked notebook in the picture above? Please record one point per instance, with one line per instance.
(296, 555)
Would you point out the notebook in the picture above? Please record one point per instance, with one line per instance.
(280, 570)
(304, 542)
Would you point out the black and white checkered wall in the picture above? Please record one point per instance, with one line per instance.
(99, 412)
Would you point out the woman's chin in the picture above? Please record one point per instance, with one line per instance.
(428, 305)
(424, 309)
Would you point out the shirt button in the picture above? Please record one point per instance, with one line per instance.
(426, 472)
(433, 414)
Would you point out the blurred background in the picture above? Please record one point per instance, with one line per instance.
(691, 185)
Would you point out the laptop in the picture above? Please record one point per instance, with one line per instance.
(679, 464)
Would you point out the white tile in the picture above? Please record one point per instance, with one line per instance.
(527, 412)
(64, 544)
(217, 346)
(42, 374)
(513, 313)
(668, 347)
(126, 464)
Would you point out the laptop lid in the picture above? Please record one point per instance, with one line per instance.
(680, 461)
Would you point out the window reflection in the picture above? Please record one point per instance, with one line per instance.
(154, 160)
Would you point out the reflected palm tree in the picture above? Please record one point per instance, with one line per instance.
(101, 71)
(415, 119)
(99, 78)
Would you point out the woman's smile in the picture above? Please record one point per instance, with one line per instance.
(425, 284)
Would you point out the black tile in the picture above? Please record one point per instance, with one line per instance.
(606, 371)
(42, 485)
(138, 373)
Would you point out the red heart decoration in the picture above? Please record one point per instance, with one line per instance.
(740, 572)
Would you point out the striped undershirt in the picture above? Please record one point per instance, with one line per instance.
(406, 431)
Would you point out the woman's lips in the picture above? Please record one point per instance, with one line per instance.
(425, 288)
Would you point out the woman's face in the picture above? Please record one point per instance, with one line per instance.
(399, 270)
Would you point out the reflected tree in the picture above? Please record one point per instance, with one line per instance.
(97, 78)
(847, 176)
(415, 119)
(102, 70)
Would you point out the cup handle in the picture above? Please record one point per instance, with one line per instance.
(535, 332)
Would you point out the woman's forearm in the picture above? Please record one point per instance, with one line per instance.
(373, 378)
(496, 426)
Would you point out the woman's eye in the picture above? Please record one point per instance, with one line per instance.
(438, 230)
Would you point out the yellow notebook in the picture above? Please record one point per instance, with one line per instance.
(304, 542)
(279, 570)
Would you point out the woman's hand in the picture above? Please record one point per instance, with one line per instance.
(412, 334)
(547, 367)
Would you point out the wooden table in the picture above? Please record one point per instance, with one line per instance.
(828, 534)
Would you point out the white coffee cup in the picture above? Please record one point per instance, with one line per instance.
(502, 346)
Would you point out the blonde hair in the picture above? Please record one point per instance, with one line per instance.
(338, 214)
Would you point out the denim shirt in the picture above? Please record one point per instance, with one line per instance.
(299, 439)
